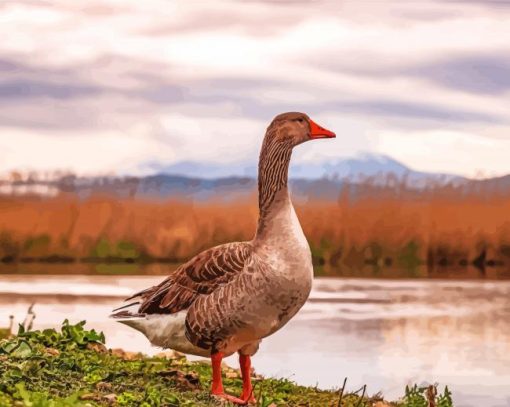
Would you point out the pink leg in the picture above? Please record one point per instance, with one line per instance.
(247, 395)
(217, 382)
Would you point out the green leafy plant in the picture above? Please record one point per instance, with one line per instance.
(445, 399)
(416, 397)
(72, 368)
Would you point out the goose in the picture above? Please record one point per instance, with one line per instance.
(228, 298)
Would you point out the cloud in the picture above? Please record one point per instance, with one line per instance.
(196, 81)
(448, 151)
(29, 89)
(98, 152)
(482, 73)
(494, 5)
(418, 110)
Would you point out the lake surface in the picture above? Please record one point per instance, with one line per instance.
(383, 333)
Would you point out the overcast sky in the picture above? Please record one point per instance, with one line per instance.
(129, 86)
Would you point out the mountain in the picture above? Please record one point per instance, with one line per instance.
(206, 170)
(354, 168)
(167, 186)
(203, 181)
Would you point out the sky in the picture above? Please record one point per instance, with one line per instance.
(128, 87)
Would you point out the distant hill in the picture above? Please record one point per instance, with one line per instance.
(167, 186)
(202, 181)
(354, 168)
(363, 174)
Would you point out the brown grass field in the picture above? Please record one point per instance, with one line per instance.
(379, 229)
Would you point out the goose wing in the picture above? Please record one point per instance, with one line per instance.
(201, 275)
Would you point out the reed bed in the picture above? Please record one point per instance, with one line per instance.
(378, 226)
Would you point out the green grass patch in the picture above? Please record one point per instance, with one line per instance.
(122, 249)
(72, 367)
(37, 246)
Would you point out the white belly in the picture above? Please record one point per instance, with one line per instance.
(167, 331)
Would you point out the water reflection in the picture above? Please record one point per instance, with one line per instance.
(385, 333)
(92, 267)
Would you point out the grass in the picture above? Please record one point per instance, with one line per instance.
(72, 367)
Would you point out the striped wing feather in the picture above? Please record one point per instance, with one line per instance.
(202, 275)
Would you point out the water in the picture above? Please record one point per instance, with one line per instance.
(383, 333)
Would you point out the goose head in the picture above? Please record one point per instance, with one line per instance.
(295, 128)
(286, 131)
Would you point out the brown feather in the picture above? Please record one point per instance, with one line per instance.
(212, 285)
(201, 275)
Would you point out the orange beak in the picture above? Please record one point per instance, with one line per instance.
(317, 131)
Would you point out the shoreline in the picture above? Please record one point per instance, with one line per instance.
(96, 376)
